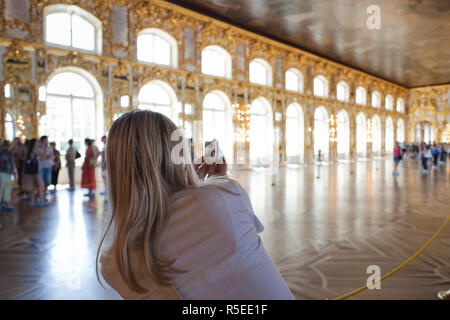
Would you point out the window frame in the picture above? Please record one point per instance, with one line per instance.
(389, 98)
(324, 80)
(165, 36)
(82, 13)
(378, 94)
(267, 67)
(228, 65)
(359, 89)
(346, 91)
(299, 75)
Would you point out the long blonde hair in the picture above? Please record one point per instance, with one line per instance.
(141, 179)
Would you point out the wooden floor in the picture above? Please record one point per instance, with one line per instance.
(324, 225)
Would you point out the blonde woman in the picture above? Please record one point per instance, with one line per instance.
(173, 236)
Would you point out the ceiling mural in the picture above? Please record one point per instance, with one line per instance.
(411, 48)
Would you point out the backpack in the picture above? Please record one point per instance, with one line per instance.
(31, 165)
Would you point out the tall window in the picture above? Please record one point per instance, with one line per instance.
(400, 131)
(261, 132)
(216, 61)
(376, 99)
(343, 91)
(343, 134)
(10, 128)
(294, 80)
(321, 132)
(71, 111)
(159, 97)
(376, 134)
(361, 135)
(418, 133)
(260, 72)
(400, 105)
(71, 26)
(157, 46)
(320, 86)
(294, 133)
(389, 102)
(389, 135)
(217, 121)
(361, 96)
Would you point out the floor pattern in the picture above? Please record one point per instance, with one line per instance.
(324, 226)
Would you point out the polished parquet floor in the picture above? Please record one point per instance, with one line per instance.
(324, 225)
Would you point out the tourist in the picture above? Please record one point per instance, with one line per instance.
(7, 170)
(103, 166)
(45, 157)
(88, 169)
(56, 165)
(397, 158)
(448, 153)
(172, 234)
(71, 155)
(435, 154)
(443, 154)
(423, 157)
(33, 178)
(19, 155)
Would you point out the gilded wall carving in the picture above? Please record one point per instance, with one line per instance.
(29, 62)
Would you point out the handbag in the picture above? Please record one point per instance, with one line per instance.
(92, 162)
(77, 155)
(31, 165)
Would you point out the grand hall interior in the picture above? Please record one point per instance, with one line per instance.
(333, 118)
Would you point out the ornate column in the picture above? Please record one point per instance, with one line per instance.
(309, 132)
(333, 136)
(353, 154)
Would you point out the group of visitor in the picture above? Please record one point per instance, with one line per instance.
(436, 153)
(36, 164)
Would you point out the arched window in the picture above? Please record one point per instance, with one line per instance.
(157, 46)
(361, 135)
(320, 86)
(10, 127)
(376, 135)
(218, 122)
(343, 134)
(158, 96)
(389, 102)
(216, 61)
(71, 26)
(418, 133)
(294, 133)
(361, 96)
(261, 132)
(376, 99)
(74, 109)
(8, 91)
(400, 131)
(343, 91)
(400, 105)
(260, 72)
(321, 133)
(389, 135)
(428, 134)
(294, 80)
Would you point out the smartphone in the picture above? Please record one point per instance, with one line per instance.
(213, 154)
